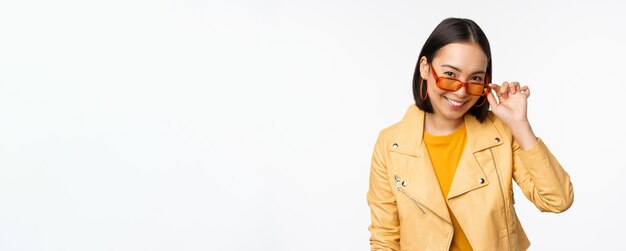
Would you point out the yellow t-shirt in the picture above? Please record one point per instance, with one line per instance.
(445, 152)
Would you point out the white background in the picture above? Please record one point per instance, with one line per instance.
(249, 125)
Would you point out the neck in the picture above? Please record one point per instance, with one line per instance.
(438, 125)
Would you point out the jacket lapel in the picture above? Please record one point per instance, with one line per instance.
(418, 169)
(469, 175)
(424, 184)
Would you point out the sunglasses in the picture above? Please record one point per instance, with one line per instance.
(453, 84)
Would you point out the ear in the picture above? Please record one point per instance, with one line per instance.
(424, 67)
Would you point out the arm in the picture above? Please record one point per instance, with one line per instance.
(541, 178)
(385, 227)
(535, 169)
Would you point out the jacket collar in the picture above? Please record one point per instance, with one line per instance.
(480, 135)
(469, 175)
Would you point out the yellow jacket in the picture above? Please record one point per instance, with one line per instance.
(408, 209)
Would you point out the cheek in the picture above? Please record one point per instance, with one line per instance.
(433, 89)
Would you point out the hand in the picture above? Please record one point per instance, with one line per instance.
(512, 110)
(512, 105)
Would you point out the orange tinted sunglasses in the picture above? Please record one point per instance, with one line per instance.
(453, 84)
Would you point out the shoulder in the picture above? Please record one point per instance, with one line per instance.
(387, 133)
(497, 123)
(390, 129)
(413, 119)
(491, 127)
(501, 128)
(492, 117)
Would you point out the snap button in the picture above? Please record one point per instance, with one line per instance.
(482, 180)
(497, 139)
(395, 145)
(404, 183)
(397, 178)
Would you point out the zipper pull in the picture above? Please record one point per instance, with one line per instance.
(397, 183)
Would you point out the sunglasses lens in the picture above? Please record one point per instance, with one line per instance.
(449, 84)
(475, 89)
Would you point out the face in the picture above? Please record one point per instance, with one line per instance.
(463, 61)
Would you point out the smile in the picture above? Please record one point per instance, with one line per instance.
(454, 102)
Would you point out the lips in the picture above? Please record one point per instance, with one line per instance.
(455, 103)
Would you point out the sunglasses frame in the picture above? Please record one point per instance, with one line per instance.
(486, 88)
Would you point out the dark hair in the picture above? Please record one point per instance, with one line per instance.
(452, 30)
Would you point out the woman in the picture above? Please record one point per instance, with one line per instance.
(441, 178)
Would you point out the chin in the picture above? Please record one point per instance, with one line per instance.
(454, 115)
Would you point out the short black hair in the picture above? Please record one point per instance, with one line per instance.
(452, 30)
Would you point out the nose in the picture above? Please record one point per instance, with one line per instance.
(461, 92)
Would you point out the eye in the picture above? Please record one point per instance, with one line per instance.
(476, 78)
(449, 74)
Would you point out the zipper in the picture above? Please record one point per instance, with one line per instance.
(506, 215)
(419, 206)
(422, 210)
(414, 201)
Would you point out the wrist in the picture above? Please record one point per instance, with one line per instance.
(524, 134)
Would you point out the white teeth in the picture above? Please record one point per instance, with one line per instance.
(454, 102)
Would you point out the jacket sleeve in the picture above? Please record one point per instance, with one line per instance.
(385, 227)
(541, 178)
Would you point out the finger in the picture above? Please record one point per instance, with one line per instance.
(492, 100)
(504, 89)
(495, 87)
(526, 91)
(523, 89)
(513, 87)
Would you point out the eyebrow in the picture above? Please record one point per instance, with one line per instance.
(459, 70)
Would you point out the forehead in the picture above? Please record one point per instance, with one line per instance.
(465, 56)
